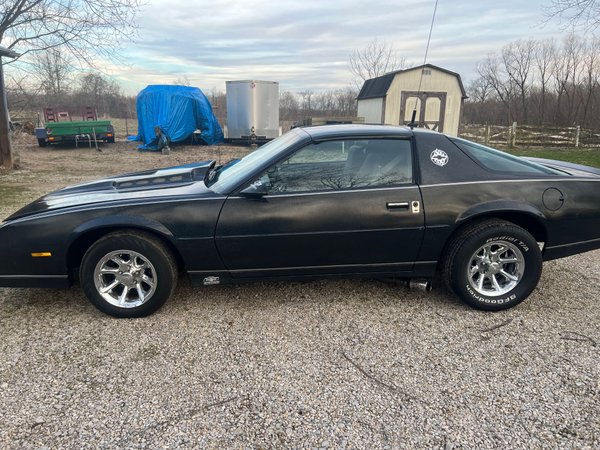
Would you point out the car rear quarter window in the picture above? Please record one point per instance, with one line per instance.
(498, 161)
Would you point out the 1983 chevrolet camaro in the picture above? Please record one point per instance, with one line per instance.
(341, 200)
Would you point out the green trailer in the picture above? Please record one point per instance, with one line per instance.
(84, 132)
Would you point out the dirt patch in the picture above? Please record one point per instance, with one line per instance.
(45, 169)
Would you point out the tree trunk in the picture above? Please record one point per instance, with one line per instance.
(6, 157)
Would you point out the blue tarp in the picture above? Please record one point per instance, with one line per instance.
(178, 111)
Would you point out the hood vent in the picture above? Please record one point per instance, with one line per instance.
(149, 183)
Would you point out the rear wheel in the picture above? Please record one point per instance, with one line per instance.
(128, 274)
(493, 265)
(42, 142)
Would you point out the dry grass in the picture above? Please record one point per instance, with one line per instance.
(46, 169)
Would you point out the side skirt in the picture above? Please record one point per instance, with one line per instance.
(424, 269)
(35, 281)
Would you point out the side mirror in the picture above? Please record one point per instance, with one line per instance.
(257, 189)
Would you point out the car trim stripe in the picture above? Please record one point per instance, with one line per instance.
(121, 203)
(546, 180)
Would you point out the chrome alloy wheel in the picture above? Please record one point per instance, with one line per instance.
(496, 268)
(125, 278)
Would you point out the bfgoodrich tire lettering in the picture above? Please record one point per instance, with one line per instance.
(128, 274)
(493, 265)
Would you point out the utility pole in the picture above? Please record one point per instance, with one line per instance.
(6, 155)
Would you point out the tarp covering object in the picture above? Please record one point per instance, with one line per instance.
(178, 111)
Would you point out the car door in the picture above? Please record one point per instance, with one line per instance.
(339, 206)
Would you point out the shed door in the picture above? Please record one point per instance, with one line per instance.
(430, 106)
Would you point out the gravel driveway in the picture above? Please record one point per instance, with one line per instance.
(329, 364)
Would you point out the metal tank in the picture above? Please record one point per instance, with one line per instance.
(252, 110)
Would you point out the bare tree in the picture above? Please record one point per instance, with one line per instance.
(376, 59)
(346, 104)
(545, 54)
(592, 75)
(288, 106)
(332, 103)
(98, 91)
(494, 75)
(583, 14)
(87, 29)
(517, 58)
(307, 96)
(565, 72)
(562, 86)
(54, 72)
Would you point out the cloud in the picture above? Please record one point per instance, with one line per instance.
(307, 44)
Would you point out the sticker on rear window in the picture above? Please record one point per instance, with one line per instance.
(439, 157)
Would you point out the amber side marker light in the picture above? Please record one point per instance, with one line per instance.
(41, 255)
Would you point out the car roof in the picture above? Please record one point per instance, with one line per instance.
(357, 130)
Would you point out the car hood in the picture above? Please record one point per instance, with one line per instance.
(577, 170)
(169, 181)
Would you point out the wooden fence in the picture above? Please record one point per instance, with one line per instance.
(531, 135)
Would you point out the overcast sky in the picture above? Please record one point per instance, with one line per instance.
(306, 44)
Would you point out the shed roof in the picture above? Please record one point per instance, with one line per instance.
(378, 87)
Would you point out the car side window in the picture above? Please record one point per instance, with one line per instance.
(343, 164)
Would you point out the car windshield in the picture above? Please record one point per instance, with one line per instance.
(227, 177)
(497, 160)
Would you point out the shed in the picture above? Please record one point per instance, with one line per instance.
(391, 98)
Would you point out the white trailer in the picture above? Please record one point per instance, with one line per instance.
(252, 110)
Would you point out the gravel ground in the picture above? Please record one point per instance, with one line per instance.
(328, 364)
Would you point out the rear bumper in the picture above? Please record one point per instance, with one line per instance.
(560, 251)
(35, 281)
(80, 138)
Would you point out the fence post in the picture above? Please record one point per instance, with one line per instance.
(577, 131)
(513, 134)
(487, 135)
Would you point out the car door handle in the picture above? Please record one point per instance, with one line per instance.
(397, 205)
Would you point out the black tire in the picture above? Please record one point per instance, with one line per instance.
(475, 255)
(42, 142)
(111, 140)
(147, 270)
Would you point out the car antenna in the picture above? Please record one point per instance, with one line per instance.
(413, 123)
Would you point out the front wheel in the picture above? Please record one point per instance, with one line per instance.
(42, 142)
(493, 265)
(128, 274)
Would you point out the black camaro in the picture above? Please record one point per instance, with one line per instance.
(347, 200)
